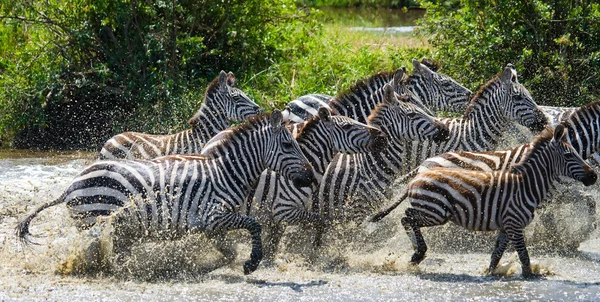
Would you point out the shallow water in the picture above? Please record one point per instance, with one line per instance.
(371, 266)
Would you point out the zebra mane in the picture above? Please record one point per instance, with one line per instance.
(593, 106)
(433, 65)
(539, 142)
(345, 97)
(223, 137)
(212, 89)
(483, 88)
(308, 126)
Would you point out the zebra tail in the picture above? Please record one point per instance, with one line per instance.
(22, 229)
(382, 214)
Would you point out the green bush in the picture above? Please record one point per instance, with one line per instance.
(85, 69)
(555, 45)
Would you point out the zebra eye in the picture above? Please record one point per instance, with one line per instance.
(287, 145)
(347, 127)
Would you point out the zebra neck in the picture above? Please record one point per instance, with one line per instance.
(208, 121)
(538, 173)
(486, 120)
(319, 153)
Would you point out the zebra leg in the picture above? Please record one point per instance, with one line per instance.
(232, 221)
(518, 240)
(224, 245)
(501, 243)
(273, 236)
(412, 225)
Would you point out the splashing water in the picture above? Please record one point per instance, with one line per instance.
(356, 263)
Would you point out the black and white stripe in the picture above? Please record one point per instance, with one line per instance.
(305, 107)
(357, 183)
(320, 138)
(171, 196)
(223, 105)
(354, 185)
(427, 89)
(496, 200)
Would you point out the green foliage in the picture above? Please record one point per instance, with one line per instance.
(88, 68)
(555, 45)
(328, 61)
(359, 3)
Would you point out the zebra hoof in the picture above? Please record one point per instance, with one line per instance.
(250, 266)
(530, 275)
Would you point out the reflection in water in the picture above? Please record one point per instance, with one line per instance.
(357, 263)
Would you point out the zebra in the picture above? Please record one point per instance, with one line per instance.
(357, 183)
(223, 104)
(496, 200)
(320, 138)
(583, 127)
(369, 173)
(170, 196)
(428, 89)
(305, 107)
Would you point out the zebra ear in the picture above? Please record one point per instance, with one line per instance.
(231, 80)
(222, 79)
(399, 76)
(389, 95)
(324, 114)
(276, 119)
(509, 74)
(559, 133)
(420, 68)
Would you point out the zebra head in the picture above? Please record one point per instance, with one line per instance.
(350, 136)
(437, 91)
(397, 81)
(571, 163)
(520, 106)
(405, 121)
(234, 103)
(283, 154)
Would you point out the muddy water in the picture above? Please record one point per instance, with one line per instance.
(359, 263)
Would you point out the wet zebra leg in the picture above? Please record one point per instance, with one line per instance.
(501, 243)
(232, 221)
(273, 236)
(224, 245)
(518, 240)
(412, 225)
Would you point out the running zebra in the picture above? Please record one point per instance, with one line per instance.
(583, 133)
(489, 201)
(368, 174)
(427, 89)
(223, 105)
(320, 138)
(171, 196)
(354, 185)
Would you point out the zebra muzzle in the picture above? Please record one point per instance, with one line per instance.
(303, 178)
(379, 140)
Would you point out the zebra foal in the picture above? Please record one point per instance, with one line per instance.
(174, 195)
(497, 200)
(223, 105)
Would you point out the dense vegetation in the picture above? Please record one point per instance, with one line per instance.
(75, 72)
(555, 45)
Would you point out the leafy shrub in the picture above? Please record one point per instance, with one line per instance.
(86, 69)
(555, 45)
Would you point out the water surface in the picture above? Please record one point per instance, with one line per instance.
(358, 263)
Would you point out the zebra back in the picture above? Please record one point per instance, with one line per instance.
(223, 104)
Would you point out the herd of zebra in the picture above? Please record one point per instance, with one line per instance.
(337, 158)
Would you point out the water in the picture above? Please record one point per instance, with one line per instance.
(376, 21)
(358, 263)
